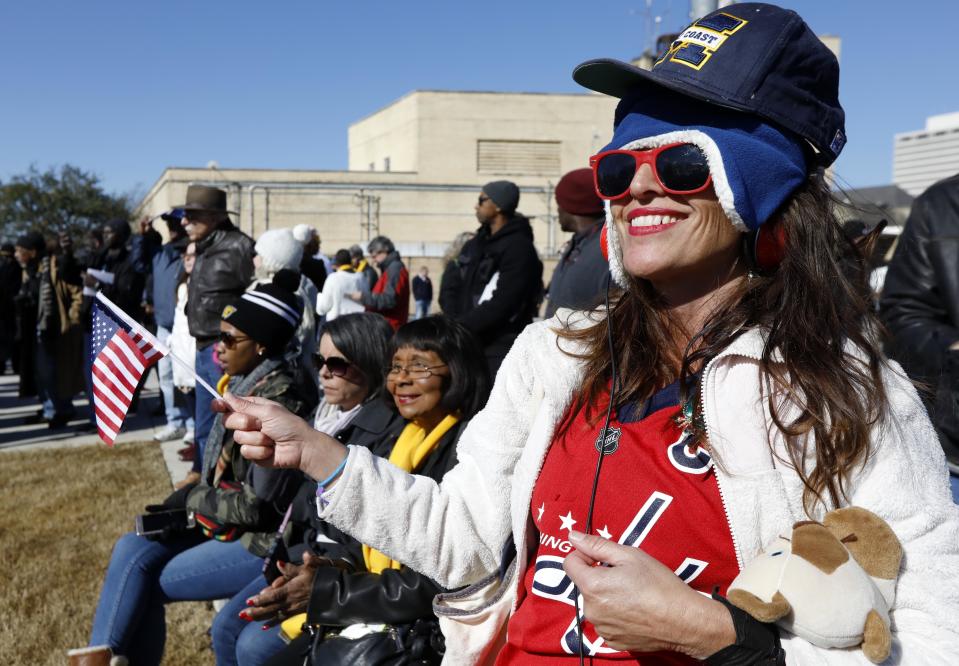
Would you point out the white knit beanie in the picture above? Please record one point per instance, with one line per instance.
(278, 249)
(304, 233)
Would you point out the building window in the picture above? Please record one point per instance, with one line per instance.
(518, 158)
(386, 164)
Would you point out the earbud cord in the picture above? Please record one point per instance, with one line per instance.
(613, 390)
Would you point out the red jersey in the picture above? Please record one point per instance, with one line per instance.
(655, 492)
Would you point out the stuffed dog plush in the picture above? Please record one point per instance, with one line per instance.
(830, 583)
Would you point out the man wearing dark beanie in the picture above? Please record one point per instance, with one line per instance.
(579, 279)
(500, 282)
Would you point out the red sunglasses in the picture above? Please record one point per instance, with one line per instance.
(679, 168)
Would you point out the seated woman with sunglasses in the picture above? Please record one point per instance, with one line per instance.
(237, 506)
(351, 364)
(437, 380)
(732, 385)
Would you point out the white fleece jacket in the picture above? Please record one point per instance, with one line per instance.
(454, 531)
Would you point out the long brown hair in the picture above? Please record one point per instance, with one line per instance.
(815, 309)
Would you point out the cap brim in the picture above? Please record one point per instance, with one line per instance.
(618, 79)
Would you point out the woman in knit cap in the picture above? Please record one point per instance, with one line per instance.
(351, 363)
(633, 459)
(236, 506)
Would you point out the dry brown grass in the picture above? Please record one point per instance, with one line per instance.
(60, 513)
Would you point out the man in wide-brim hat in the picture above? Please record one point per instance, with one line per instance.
(222, 272)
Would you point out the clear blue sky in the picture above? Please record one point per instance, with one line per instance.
(125, 89)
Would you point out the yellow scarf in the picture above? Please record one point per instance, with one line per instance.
(409, 451)
(360, 267)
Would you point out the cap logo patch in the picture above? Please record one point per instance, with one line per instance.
(838, 142)
(697, 43)
(227, 311)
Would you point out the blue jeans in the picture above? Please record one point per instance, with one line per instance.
(145, 575)
(237, 641)
(176, 416)
(208, 370)
(422, 309)
(255, 647)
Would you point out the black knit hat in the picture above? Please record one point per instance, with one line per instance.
(270, 313)
(504, 194)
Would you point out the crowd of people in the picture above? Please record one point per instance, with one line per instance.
(379, 488)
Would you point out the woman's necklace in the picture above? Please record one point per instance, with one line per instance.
(690, 418)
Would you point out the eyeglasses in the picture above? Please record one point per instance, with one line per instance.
(413, 370)
(679, 168)
(482, 199)
(230, 341)
(337, 365)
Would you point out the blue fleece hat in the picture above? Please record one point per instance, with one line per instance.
(755, 166)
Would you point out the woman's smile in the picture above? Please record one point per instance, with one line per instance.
(645, 221)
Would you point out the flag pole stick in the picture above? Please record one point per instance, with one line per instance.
(153, 340)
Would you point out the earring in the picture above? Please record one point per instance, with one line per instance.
(260, 353)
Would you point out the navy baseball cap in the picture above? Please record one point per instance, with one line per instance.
(751, 57)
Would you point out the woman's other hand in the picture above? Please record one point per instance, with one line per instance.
(272, 436)
(639, 605)
(288, 595)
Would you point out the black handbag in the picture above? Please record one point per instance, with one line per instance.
(419, 643)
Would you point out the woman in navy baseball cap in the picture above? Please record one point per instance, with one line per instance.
(732, 384)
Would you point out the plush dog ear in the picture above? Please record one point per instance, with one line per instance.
(875, 546)
(818, 546)
(759, 609)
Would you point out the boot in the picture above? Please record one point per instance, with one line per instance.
(98, 655)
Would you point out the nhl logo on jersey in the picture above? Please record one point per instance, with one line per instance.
(612, 441)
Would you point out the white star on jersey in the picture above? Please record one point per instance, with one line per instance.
(539, 511)
(604, 532)
(568, 521)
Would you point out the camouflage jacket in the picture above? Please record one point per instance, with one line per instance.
(257, 507)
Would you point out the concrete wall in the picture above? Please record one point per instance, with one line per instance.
(435, 133)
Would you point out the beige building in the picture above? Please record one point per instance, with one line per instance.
(415, 169)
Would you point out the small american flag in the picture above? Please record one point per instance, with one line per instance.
(120, 352)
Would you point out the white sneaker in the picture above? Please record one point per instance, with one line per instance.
(168, 433)
(188, 437)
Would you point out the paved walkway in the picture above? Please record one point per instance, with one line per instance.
(15, 435)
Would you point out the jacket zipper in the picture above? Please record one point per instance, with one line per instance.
(719, 481)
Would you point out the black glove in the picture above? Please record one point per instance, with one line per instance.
(757, 643)
(176, 499)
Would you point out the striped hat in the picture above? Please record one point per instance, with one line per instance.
(269, 313)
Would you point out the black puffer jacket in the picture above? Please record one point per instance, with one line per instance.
(920, 304)
(510, 257)
(223, 270)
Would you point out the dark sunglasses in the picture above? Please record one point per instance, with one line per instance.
(482, 199)
(230, 341)
(679, 168)
(337, 366)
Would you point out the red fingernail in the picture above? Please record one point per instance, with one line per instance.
(244, 616)
(265, 627)
(249, 602)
